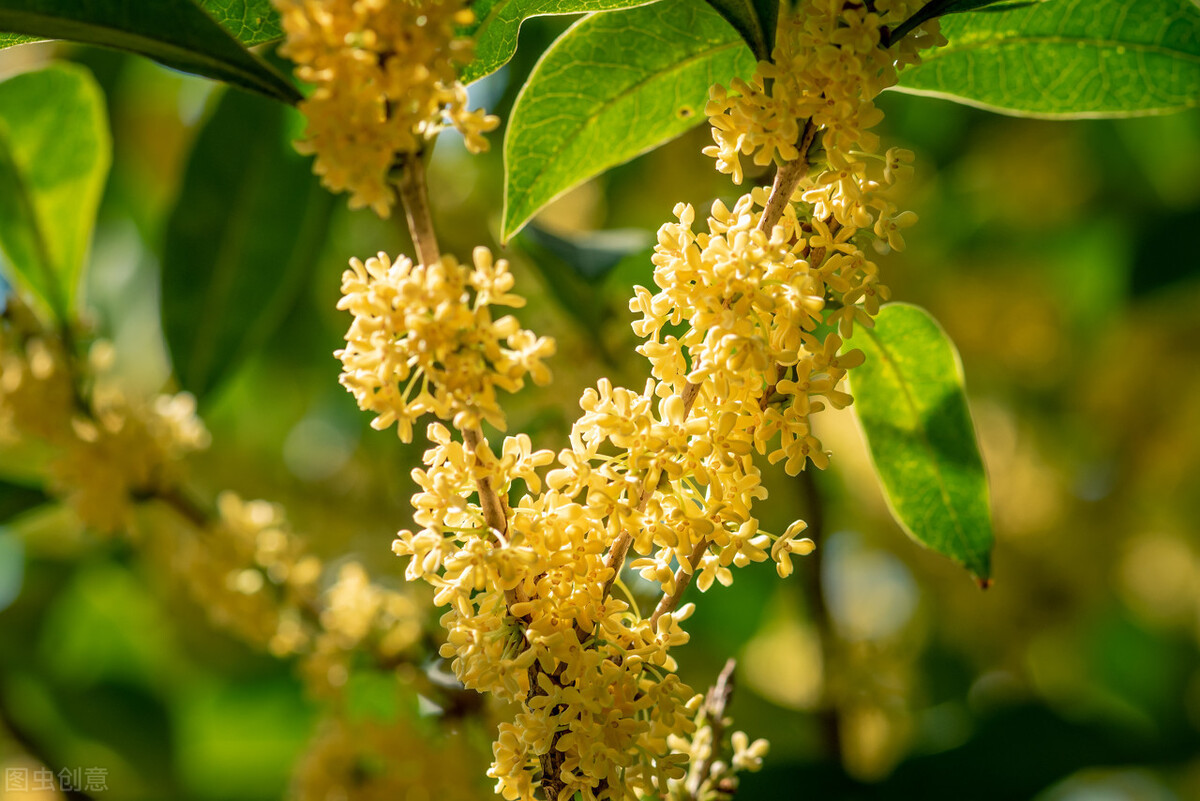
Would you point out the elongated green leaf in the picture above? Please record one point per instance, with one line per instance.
(54, 158)
(614, 85)
(939, 8)
(1069, 59)
(497, 23)
(755, 20)
(21, 238)
(176, 33)
(910, 400)
(241, 240)
(251, 22)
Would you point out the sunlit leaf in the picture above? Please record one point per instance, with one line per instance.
(1108, 58)
(251, 22)
(940, 8)
(55, 151)
(910, 400)
(498, 22)
(615, 85)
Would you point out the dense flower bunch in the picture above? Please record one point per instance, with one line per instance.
(827, 68)
(110, 449)
(384, 72)
(745, 339)
(423, 340)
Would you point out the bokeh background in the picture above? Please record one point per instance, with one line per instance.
(1060, 256)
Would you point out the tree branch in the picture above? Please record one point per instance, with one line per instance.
(414, 196)
(715, 703)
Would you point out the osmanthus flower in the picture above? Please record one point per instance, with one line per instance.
(124, 449)
(37, 394)
(423, 340)
(110, 448)
(753, 305)
(250, 573)
(828, 66)
(385, 83)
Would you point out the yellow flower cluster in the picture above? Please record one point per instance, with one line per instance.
(754, 304)
(243, 564)
(712, 777)
(250, 573)
(357, 615)
(37, 393)
(110, 449)
(255, 578)
(827, 68)
(602, 693)
(385, 83)
(423, 340)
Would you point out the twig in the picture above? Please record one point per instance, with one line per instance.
(185, 505)
(489, 501)
(787, 178)
(495, 510)
(715, 703)
(414, 196)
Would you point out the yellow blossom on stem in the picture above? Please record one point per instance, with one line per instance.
(424, 340)
(385, 82)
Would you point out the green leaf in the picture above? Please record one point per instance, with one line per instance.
(251, 22)
(939, 8)
(910, 401)
(55, 151)
(755, 20)
(11, 39)
(497, 23)
(176, 33)
(1060, 59)
(12, 567)
(613, 86)
(241, 241)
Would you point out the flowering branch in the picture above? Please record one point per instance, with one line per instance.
(787, 178)
(532, 616)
